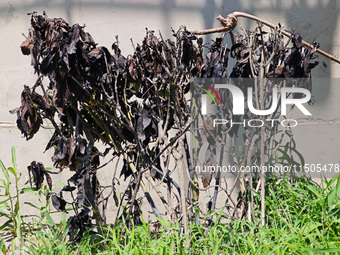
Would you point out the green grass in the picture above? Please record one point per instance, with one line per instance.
(301, 218)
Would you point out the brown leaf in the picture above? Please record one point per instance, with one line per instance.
(71, 148)
(27, 45)
(58, 202)
(29, 119)
(132, 69)
(277, 73)
(206, 179)
(38, 171)
(210, 163)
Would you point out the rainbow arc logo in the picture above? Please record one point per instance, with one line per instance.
(239, 99)
(209, 93)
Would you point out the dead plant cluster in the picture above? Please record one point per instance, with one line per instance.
(131, 104)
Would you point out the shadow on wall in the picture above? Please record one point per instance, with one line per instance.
(316, 24)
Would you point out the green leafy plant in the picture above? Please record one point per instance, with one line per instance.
(298, 221)
(12, 191)
(50, 238)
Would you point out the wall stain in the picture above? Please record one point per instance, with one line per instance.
(6, 13)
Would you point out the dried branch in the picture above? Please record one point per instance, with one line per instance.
(230, 22)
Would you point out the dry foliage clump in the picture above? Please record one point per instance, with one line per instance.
(130, 103)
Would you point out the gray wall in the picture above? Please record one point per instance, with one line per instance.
(318, 139)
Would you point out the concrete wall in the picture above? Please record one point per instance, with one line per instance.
(318, 139)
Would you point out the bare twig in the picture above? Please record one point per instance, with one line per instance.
(230, 22)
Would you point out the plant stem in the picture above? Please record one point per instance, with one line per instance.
(263, 137)
(182, 185)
